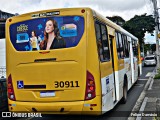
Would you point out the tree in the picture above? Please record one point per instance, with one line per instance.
(117, 19)
(153, 47)
(139, 25)
(147, 48)
(2, 29)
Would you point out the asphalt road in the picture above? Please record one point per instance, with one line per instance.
(120, 112)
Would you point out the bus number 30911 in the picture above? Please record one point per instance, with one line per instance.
(66, 84)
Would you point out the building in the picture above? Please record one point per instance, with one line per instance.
(3, 17)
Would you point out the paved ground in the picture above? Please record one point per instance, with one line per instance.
(153, 100)
(149, 108)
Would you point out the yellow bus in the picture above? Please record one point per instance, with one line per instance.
(69, 61)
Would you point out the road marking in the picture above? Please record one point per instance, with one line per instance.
(148, 74)
(139, 85)
(142, 79)
(142, 107)
(150, 86)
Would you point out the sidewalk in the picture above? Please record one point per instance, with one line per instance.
(148, 105)
(153, 100)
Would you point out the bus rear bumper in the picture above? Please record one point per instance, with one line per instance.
(78, 107)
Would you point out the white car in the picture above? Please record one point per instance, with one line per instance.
(150, 60)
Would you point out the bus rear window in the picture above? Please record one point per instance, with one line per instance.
(47, 33)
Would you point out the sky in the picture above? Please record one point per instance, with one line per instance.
(2, 53)
(124, 8)
(127, 9)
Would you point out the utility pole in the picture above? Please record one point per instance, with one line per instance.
(156, 30)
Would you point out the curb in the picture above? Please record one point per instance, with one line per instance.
(136, 108)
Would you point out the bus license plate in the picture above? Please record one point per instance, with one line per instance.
(47, 94)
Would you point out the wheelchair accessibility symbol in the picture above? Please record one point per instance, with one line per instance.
(20, 84)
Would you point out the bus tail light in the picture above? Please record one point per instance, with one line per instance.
(10, 90)
(90, 92)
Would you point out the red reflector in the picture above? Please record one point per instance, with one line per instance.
(91, 88)
(45, 52)
(10, 20)
(9, 90)
(93, 104)
(9, 85)
(91, 82)
(83, 10)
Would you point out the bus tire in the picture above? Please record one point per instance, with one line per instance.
(125, 89)
(138, 72)
(138, 75)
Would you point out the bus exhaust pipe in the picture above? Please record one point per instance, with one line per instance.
(34, 110)
(62, 109)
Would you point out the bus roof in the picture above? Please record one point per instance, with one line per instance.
(114, 25)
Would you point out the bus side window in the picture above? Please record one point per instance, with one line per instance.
(105, 43)
(102, 42)
(125, 46)
(135, 47)
(99, 43)
(128, 44)
(120, 45)
(117, 45)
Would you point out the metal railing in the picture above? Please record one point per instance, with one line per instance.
(3, 89)
(2, 72)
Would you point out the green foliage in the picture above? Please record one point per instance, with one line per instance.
(139, 25)
(146, 48)
(157, 76)
(117, 19)
(153, 47)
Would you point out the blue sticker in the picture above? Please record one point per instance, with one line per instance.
(40, 26)
(68, 30)
(22, 37)
(107, 80)
(20, 84)
(27, 47)
(76, 18)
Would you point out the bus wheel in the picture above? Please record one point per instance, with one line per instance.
(124, 98)
(138, 72)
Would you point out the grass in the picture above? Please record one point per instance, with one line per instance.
(157, 76)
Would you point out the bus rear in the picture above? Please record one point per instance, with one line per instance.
(48, 79)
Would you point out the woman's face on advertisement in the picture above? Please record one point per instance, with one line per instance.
(49, 26)
(33, 34)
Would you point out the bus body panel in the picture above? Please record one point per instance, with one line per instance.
(52, 76)
(139, 60)
(76, 107)
(108, 93)
(128, 71)
(92, 59)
